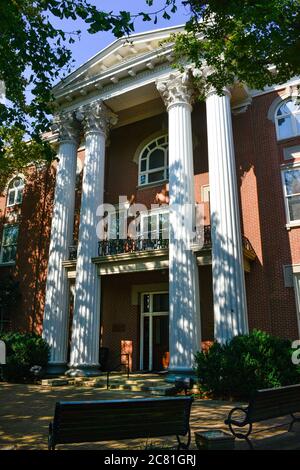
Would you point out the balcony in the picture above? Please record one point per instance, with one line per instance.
(121, 256)
(115, 247)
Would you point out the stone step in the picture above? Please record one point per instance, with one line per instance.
(154, 385)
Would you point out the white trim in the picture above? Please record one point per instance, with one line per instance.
(113, 48)
(145, 173)
(15, 175)
(16, 190)
(290, 115)
(150, 315)
(287, 167)
(296, 278)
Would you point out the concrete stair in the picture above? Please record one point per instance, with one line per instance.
(150, 383)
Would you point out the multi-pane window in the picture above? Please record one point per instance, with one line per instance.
(291, 183)
(288, 119)
(153, 162)
(116, 225)
(15, 192)
(9, 243)
(154, 225)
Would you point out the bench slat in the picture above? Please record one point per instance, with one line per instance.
(273, 403)
(106, 420)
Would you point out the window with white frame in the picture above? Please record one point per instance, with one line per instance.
(116, 224)
(9, 243)
(287, 119)
(154, 225)
(15, 192)
(291, 187)
(153, 161)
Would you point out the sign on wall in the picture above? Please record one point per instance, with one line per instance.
(2, 352)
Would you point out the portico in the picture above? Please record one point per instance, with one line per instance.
(92, 108)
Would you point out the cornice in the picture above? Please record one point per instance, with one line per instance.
(144, 63)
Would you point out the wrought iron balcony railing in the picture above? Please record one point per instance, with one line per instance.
(115, 247)
(129, 245)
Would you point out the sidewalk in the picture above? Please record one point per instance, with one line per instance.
(26, 410)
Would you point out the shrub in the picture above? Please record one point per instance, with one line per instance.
(245, 364)
(23, 350)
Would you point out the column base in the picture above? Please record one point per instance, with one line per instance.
(84, 371)
(56, 368)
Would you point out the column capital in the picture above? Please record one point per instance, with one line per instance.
(67, 127)
(96, 117)
(177, 88)
(212, 91)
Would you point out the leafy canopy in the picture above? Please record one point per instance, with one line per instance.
(241, 39)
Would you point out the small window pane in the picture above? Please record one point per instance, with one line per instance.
(285, 127)
(11, 197)
(156, 159)
(292, 181)
(17, 182)
(161, 302)
(143, 179)
(153, 145)
(145, 153)
(19, 196)
(156, 176)
(164, 225)
(146, 303)
(294, 207)
(143, 165)
(10, 235)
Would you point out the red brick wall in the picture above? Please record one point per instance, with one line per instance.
(33, 246)
(271, 306)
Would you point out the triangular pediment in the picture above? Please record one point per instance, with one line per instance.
(124, 53)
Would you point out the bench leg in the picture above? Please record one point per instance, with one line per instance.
(182, 445)
(244, 436)
(294, 420)
(51, 445)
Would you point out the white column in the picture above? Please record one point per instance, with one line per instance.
(86, 319)
(184, 321)
(230, 307)
(56, 314)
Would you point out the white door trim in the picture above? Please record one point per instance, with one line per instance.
(150, 315)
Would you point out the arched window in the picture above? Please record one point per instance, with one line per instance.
(15, 192)
(287, 119)
(153, 161)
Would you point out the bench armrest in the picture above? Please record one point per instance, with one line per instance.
(236, 422)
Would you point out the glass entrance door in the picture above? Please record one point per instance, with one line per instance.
(154, 351)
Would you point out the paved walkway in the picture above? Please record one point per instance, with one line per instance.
(26, 410)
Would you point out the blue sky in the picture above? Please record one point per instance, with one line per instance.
(90, 44)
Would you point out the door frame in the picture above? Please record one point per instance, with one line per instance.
(150, 315)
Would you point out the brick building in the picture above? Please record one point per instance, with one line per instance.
(132, 126)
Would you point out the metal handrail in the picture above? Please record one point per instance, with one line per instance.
(115, 367)
(130, 245)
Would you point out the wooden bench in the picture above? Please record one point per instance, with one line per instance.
(265, 404)
(105, 420)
